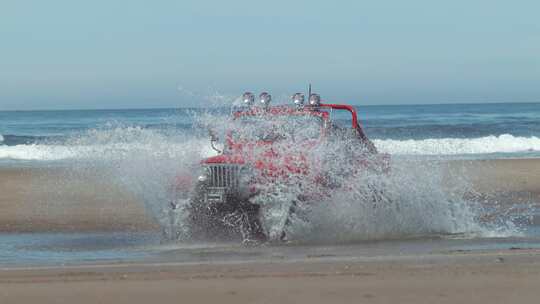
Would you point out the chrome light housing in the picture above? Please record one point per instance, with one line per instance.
(247, 173)
(204, 175)
(314, 100)
(265, 99)
(298, 99)
(248, 99)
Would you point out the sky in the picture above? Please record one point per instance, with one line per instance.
(60, 54)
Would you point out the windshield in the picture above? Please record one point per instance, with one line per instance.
(278, 127)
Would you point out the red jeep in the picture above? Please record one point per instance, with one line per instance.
(267, 145)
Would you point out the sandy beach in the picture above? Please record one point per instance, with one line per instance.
(49, 200)
(54, 199)
(487, 277)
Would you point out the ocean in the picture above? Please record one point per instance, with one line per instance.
(502, 130)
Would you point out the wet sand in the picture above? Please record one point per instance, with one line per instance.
(53, 199)
(505, 178)
(56, 199)
(510, 276)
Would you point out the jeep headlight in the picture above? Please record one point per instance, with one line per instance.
(246, 174)
(245, 179)
(204, 175)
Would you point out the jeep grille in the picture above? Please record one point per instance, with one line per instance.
(224, 176)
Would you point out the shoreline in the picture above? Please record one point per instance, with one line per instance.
(497, 276)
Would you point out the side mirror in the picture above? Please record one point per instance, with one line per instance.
(213, 139)
(213, 136)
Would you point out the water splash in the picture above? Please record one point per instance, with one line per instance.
(413, 199)
(410, 201)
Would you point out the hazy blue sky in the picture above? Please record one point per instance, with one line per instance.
(117, 54)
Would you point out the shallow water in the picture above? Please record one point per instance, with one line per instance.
(72, 248)
(75, 249)
(62, 249)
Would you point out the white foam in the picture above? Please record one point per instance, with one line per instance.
(110, 144)
(505, 143)
(1, 138)
(36, 152)
(109, 148)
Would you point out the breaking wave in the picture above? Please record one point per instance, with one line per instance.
(81, 150)
(505, 143)
(102, 144)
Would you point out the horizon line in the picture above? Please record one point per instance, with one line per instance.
(217, 107)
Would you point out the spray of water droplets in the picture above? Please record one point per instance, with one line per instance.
(414, 198)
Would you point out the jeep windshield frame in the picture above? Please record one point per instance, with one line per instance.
(274, 123)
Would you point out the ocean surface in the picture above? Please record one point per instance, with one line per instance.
(450, 130)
